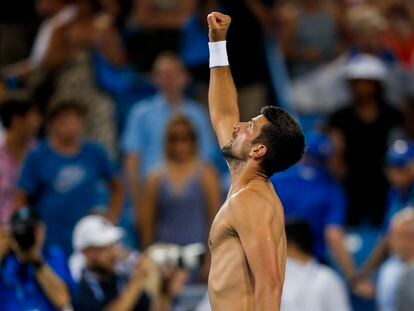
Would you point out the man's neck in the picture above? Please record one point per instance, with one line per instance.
(69, 147)
(16, 145)
(242, 173)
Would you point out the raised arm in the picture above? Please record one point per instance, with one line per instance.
(222, 95)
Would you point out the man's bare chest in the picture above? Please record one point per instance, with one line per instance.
(221, 231)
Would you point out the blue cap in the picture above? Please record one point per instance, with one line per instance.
(401, 153)
(319, 147)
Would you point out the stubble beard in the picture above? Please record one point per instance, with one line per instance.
(234, 160)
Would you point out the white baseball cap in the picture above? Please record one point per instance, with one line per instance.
(366, 67)
(95, 231)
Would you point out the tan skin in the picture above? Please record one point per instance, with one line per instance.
(247, 238)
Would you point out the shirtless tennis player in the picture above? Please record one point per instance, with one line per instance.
(247, 238)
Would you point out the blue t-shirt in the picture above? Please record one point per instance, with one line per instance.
(311, 195)
(145, 131)
(19, 289)
(63, 189)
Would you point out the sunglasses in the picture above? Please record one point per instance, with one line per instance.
(180, 138)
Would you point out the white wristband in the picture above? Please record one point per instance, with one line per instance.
(218, 54)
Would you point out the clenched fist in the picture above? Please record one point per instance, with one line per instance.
(218, 25)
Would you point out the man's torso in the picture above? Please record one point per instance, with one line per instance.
(231, 282)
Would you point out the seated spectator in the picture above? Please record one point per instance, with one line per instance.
(69, 59)
(143, 139)
(309, 286)
(125, 263)
(400, 173)
(401, 239)
(111, 283)
(321, 202)
(56, 14)
(61, 176)
(102, 286)
(32, 276)
(21, 120)
(405, 292)
(182, 197)
(361, 132)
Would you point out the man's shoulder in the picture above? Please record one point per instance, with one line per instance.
(251, 202)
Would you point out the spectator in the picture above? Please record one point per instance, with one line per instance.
(32, 276)
(61, 176)
(181, 198)
(402, 250)
(101, 285)
(158, 25)
(308, 284)
(21, 120)
(125, 263)
(109, 282)
(322, 202)
(405, 294)
(361, 132)
(56, 14)
(312, 38)
(399, 37)
(143, 139)
(400, 173)
(69, 57)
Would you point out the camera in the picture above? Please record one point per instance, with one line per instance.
(23, 226)
(189, 257)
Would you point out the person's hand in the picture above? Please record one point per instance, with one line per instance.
(143, 268)
(177, 282)
(218, 25)
(364, 288)
(4, 243)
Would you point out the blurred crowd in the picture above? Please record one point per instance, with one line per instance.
(110, 174)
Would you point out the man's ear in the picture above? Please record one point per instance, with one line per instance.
(258, 151)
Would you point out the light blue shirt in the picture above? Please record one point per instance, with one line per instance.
(144, 134)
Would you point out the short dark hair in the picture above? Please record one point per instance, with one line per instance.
(60, 105)
(283, 138)
(299, 233)
(13, 107)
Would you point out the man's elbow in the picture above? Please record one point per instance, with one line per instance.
(269, 293)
